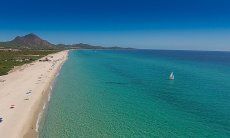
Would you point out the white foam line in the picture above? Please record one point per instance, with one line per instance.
(44, 106)
(38, 121)
(39, 117)
(49, 97)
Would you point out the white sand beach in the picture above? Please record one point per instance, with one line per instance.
(22, 92)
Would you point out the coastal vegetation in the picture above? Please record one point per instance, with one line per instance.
(11, 58)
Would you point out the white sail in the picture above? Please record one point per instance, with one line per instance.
(171, 77)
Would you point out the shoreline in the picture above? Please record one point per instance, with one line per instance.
(33, 132)
(22, 119)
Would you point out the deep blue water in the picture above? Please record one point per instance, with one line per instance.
(127, 93)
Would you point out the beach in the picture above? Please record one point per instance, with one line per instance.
(23, 93)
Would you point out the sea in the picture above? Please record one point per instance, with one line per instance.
(128, 93)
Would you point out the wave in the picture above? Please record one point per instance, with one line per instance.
(38, 121)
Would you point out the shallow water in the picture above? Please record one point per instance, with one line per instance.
(128, 94)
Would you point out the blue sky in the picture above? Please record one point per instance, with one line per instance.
(154, 24)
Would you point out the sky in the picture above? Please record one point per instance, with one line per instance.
(146, 24)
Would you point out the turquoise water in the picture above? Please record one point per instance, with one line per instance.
(128, 94)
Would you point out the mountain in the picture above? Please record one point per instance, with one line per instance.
(82, 46)
(87, 46)
(30, 41)
(79, 46)
(33, 42)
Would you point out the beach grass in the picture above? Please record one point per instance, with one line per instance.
(9, 59)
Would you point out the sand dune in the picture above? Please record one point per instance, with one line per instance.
(22, 94)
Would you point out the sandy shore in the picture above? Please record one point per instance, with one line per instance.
(23, 93)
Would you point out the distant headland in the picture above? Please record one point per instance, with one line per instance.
(33, 42)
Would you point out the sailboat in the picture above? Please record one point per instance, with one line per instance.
(171, 77)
